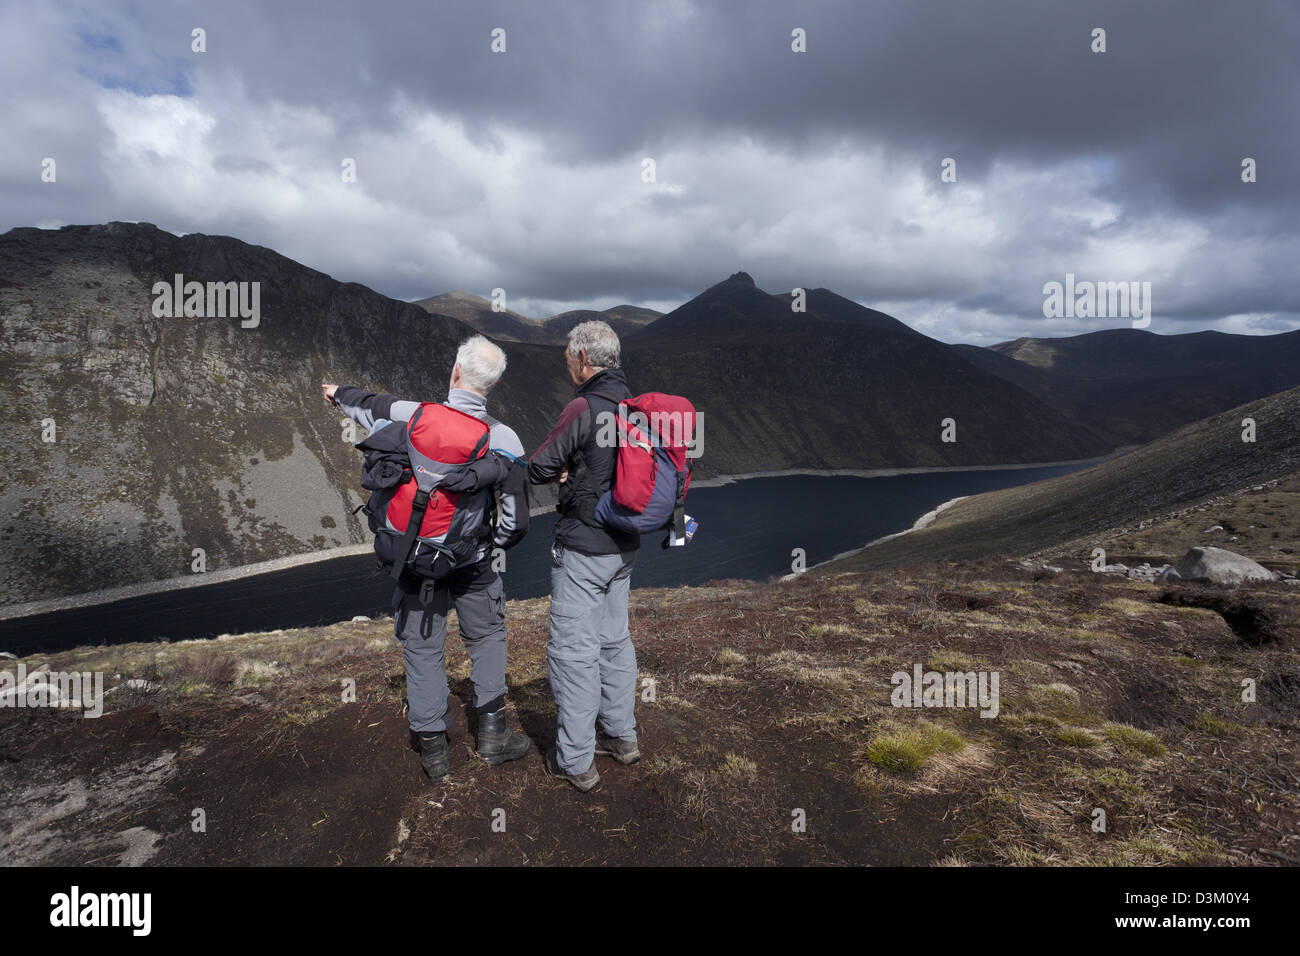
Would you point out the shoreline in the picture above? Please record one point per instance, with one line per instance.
(929, 517)
(110, 595)
(9, 612)
(924, 521)
(719, 481)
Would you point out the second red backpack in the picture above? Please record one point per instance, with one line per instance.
(655, 432)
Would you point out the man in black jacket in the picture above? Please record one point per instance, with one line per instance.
(589, 658)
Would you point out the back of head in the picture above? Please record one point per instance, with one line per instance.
(482, 363)
(598, 341)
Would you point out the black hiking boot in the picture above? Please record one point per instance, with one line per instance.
(625, 752)
(586, 781)
(497, 743)
(435, 756)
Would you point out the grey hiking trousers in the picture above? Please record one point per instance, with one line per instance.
(589, 658)
(479, 597)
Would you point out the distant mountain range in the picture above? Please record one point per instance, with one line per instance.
(1134, 385)
(176, 434)
(508, 326)
(839, 383)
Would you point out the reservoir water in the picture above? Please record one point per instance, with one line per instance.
(748, 529)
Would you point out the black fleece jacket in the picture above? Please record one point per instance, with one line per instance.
(572, 444)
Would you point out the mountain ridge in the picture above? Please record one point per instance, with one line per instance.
(183, 435)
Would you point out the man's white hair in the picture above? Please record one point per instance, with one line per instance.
(482, 363)
(598, 340)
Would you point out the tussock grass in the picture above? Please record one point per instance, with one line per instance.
(728, 658)
(1132, 740)
(1215, 726)
(951, 661)
(904, 748)
(738, 768)
(712, 680)
(831, 630)
(805, 669)
(1076, 737)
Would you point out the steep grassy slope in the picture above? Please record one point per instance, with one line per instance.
(1196, 462)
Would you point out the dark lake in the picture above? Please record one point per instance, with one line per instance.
(747, 530)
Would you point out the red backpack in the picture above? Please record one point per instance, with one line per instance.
(653, 473)
(418, 525)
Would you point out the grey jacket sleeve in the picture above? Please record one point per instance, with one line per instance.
(366, 408)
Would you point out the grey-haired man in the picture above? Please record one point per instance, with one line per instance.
(476, 591)
(589, 658)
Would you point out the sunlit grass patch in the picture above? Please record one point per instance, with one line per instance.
(712, 680)
(1075, 737)
(805, 669)
(256, 673)
(665, 763)
(951, 661)
(1133, 740)
(727, 657)
(1091, 634)
(738, 768)
(904, 748)
(864, 608)
(1127, 606)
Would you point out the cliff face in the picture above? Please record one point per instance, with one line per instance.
(173, 434)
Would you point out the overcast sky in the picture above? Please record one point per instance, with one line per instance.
(524, 169)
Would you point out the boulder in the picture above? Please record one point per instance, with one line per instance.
(1215, 566)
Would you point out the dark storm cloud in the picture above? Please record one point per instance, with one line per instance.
(1127, 161)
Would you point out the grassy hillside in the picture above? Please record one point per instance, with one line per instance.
(1196, 462)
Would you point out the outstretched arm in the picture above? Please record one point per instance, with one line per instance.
(366, 408)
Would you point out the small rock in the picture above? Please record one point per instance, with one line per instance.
(360, 618)
(1213, 527)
